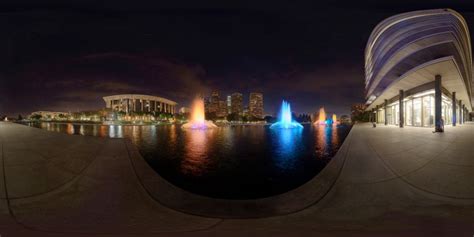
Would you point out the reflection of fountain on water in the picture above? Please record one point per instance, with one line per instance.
(286, 151)
(198, 120)
(327, 140)
(196, 161)
(285, 118)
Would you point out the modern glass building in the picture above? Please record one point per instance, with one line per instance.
(418, 68)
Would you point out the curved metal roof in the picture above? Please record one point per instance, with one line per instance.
(403, 42)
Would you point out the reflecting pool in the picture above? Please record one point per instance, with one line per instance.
(233, 162)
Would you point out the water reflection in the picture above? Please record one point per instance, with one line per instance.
(327, 140)
(196, 159)
(334, 136)
(70, 128)
(288, 141)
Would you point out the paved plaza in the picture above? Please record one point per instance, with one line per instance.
(385, 181)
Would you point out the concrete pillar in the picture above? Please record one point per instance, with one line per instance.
(460, 115)
(385, 112)
(454, 109)
(438, 122)
(463, 114)
(401, 120)
(376, 116)
(127, 109)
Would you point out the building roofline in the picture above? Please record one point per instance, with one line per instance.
(139, 96)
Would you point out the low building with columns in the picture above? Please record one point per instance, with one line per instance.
(129, 103)
(418, 68)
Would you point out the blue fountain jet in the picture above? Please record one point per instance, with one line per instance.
(285, 118)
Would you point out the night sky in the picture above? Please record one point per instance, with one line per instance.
(65, 57)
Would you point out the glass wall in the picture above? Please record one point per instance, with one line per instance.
(408, 112)
(419, 110)
(381, 116)
(446, 110)
(393, 113)
(428, 111)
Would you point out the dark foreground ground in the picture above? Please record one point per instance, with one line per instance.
(392, 182)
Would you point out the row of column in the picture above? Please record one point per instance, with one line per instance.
(163, 107)
(439, 126)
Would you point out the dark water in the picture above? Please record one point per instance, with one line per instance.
(239, 162)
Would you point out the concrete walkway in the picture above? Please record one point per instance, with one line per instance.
(393, 182)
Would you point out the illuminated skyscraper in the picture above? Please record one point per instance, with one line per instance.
(222, 109)
(229, 104)
(214, 102)
(256, 105)
(237, 106)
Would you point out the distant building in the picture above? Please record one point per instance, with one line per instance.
(222, 109)
(237, 105)
(46, 115)
(256, 105)
(344, 119)
(229, 104)
(214, 102)
(245, 112)
(129, 103)
(184, 110)
(207, 104)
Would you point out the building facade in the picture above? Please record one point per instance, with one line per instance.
(256, 105)
(418, 68)
(229, 104)
(222, 109)
(51, 115)
(214, 102)
(237, 105)
(130, 103)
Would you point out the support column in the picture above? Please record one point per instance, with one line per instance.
(463, 115)
(385, 112)
(438, 122)
(401, 120)
(460, 115)
(376, 115)
(454, 109)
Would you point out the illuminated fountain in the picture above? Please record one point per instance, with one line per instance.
(322, 117)
(198, 120)
(334, 119)
(285, 118)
